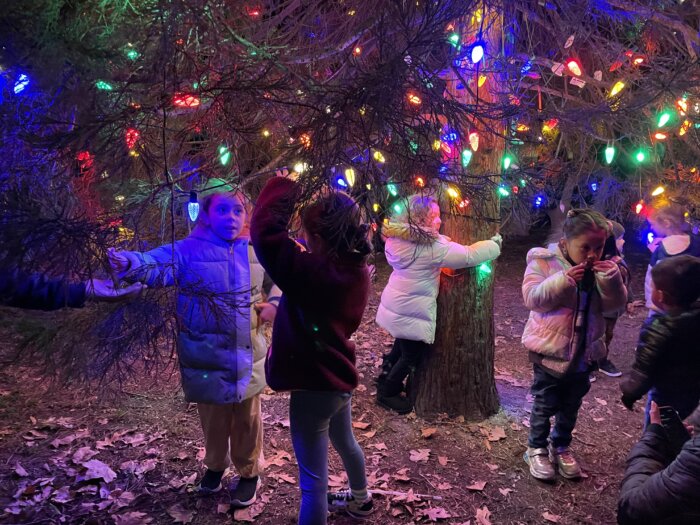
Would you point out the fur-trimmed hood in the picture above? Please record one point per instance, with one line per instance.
(409, 232)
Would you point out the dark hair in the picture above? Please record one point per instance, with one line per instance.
(337, 219)
(578, 221)
(679, 277)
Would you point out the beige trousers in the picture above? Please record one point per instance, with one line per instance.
(233, 433)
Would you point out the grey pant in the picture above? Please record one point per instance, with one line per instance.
(314, 417)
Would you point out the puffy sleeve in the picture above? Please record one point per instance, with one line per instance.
(613, 293)
(158, 267)
(465, 256)
(654, 339)
(543, 293)
(34, 291)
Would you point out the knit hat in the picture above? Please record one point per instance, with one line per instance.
(618, 230)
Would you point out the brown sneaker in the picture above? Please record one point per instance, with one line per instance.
(540, 465)
(565, 461)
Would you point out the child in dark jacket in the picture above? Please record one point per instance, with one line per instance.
(661, 484)
(668, 362)
(325, 291)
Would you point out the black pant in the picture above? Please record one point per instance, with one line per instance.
(559, 397)
(405, 355)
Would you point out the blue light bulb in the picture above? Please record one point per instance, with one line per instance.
(193, 206)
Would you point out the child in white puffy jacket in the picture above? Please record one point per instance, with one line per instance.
(567, 288)
(408, 309)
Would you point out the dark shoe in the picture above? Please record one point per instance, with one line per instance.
(344, 501)
(397, 403)
(245, 493)
(609, 368)
(210, 483)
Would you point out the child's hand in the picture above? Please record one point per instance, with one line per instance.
(605, 266)
(498, 240)
(576, 272)
(654, 414)
(104, 290)
(118, 261)
(266, 312)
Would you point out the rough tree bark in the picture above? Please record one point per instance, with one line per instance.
(457, 377)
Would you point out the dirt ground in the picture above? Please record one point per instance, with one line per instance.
(68, 458)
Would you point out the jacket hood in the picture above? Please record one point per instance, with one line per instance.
(550, 252)
(409, 232)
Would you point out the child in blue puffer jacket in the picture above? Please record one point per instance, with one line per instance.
(220, 349)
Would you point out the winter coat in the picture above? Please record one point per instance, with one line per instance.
(323, 302)
(221, 351)
(34, 291)
(552, 298)
(408, 308)
(659, 487)
(668, 359)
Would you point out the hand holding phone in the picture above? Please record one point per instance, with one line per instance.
(675, 429)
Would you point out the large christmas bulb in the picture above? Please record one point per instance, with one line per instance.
(574, 67)
(477, 52)
(193, 206)
(131, 137)
(617, 87)
(663, 119)
(21, 83)
(466, 157)
(350, 176)
(474, 140)
(224, 155)
(609, 154)
(658, 191)
(391, 188)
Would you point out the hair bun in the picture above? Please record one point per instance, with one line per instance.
(571, 213)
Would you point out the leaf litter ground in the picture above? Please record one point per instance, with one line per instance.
(69, 458)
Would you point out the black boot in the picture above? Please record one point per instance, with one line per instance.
(389, 396)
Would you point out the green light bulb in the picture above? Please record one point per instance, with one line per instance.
(663, 119)
(392, 190)
(466, 157)
(609, 154)
(104, 86)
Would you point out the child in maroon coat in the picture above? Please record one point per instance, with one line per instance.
(325, 291)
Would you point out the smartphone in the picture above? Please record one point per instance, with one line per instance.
(675, 429)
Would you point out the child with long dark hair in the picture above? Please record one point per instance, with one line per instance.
(568, 288)
(325, 291)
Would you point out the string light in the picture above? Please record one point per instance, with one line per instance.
(224, 155)
(21, 83)
(684, 128)
(453, 39)
(357, 51)
(453, 192)
(609, 154)
(658, 191)
(664, 118)
(574, 67)
(474, 140)
(397, 208)
(640, 156)
(503, 191)
(485, 268)
(340, 181)
(300, 167)
(481, 81)
(377, 155)
(507, 161)
(265, 133)
(350, 176)
(639, 207)
(193, 206)
(375, 207)
(391, 188)
(305, 140)
(103, 86)
(184, 100)
(617, 87)
(539, 200)
(414, 99)
(477, 52)
(131, 136)
(420, 182)
(466, 157)
(594, 186)
(464, 203)
(660, 136)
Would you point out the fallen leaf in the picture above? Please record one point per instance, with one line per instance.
(336, 481)
(98, 470)
(401, 475)
(601, 401)
(281, 476)
(83, 454)
(483, 516)
(420, 455)
(182, 455)
(477, 485)
(223, 508)
(552, 518)
(180, 514)
(132, 518)
(505, 492)
(67, 440)
(248, 514)
(124, 499)
(379, 446)
(428, 432)
(360, 424)
(496, 433)
(436, 513)
(444, 486)
(19, 470)
(31, 435)
(442, 460)
(62, 495)
(492, 467)
(134, 440)
(370, 434)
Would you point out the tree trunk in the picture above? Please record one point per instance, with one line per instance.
(457, 377)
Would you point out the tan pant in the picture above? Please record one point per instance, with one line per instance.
(233, 433)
